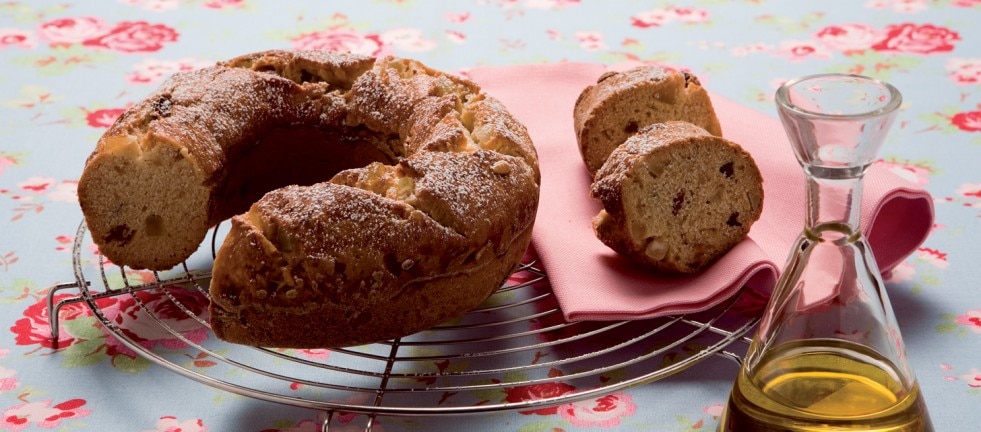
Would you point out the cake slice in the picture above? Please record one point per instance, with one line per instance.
(676, 197)
(621, 103)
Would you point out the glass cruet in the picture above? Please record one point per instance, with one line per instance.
(828, 354)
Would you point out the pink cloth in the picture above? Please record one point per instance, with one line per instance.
(591, 282)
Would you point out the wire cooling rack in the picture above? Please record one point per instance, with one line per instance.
(495, 358)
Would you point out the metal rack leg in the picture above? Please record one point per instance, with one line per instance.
(329, 415)
(55, 308)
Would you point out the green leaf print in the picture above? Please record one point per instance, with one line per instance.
(31, 96)
(789, 25)
(950, 325)
(943, 121)
(133, 365)
(61, 60)
(876, 64)
(686, 424)
(542, 426)
(947, 327)
(84, 353)
(23, 13)
(18, 289)
(84, 327)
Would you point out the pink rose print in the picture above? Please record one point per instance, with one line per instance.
(690, 16)
(103, 118)
(849, 37)
(661, 16)
(65, 191)
(969, 121)
(933, 256)
(457, 18)
(315, 354)
(34, 328)
(152, 71)
(17, 37)
(590, 41)
(64, 243)
(340, 40)
(946, 367)
(550, 4)
(651, 18)
(714, 410)
(407, 39)
(964, 71)
(456, 37)
(135, 37)
(799, 50)
(135, 322)
(901, 273)
(970, 190)
(42, 414)
(6, 161)
(36, 184)
(970, 319)
(224, 4)
(917, 174)
(36, 187)
(154, 5)
(171, 424)
(917, 39)
(312, 354)
(742, 51)
(966, 3)
(901, 6)
(8, 377)
(67, 31)
(536, 392)
(604, 412)
(973, 378)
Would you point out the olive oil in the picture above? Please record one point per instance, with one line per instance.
(824, 385)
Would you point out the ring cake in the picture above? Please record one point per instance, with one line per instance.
(416, 199)
(676, 197)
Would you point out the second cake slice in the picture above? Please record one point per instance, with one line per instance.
(676, 197)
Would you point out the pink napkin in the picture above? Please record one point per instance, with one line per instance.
(591, 282)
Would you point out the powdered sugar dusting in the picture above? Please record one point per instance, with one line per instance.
(468, 186)
(463, 191)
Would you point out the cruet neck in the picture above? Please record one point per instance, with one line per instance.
(833, 207)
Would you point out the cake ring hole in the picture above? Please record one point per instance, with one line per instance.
(293, 154)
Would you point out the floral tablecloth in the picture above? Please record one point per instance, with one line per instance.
(67, 69)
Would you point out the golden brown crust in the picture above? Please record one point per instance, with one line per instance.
(676, 197)
(621, 103)
(420, 267)
(124, 193)
(433, 196)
